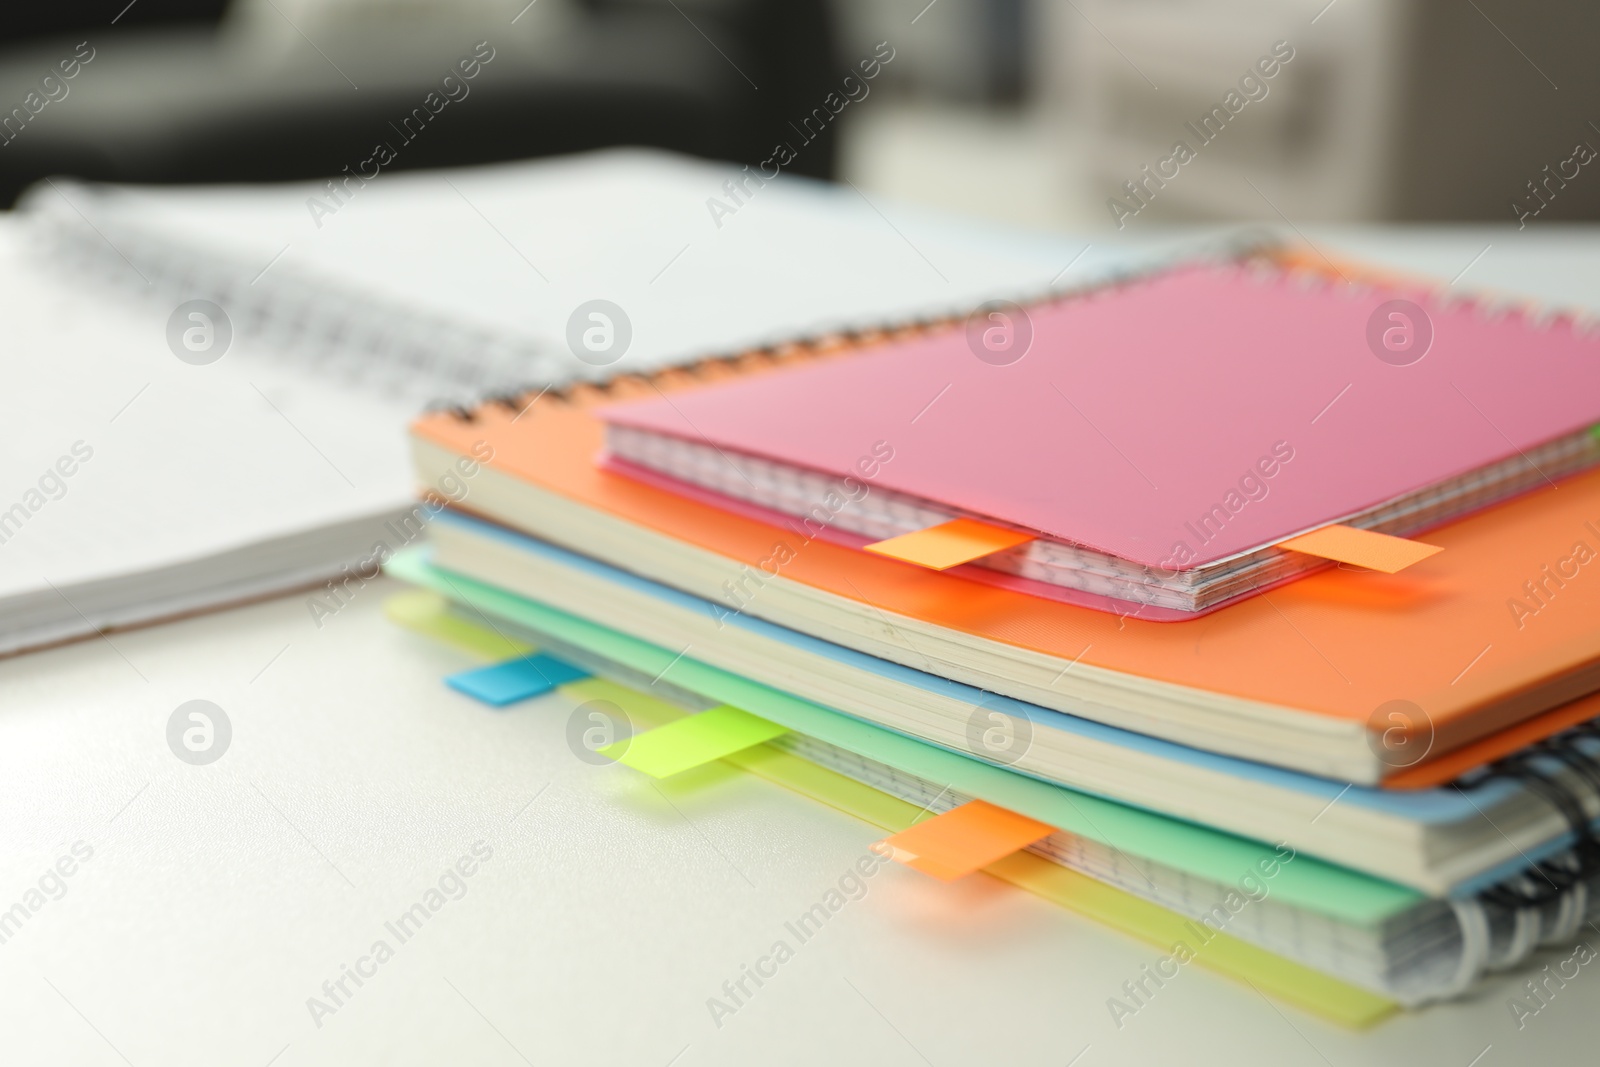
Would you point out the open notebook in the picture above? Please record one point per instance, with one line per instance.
(282, 463)
(1164, 446)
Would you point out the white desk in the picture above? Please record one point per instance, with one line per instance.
(219, 898)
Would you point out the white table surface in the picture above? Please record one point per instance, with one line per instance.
(219, 898)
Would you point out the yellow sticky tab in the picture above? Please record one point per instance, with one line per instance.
(1364, 548)
(692, 740)
(964, 839)
(430, 614)
(950, 543)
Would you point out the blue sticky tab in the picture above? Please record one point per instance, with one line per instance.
(516, 679)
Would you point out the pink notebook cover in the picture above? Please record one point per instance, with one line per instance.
(1174, 420)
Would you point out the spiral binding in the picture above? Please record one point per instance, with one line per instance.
(462, 367)
(441, 363)
(1260, 251)
(324, 325)
(1546, 904)
(1246, 247)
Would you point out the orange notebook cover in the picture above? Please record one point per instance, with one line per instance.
(1500, 629)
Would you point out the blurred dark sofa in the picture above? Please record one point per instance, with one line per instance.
(172, 94)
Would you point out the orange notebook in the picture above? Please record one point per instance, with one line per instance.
(1328, 675)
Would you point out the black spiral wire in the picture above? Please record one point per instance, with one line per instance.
(1548, 881)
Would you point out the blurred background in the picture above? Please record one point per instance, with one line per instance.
(1053, 114)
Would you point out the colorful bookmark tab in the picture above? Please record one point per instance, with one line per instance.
(505, 683)
(1364, 548)
(950, 543)
(965, 839)
(692, 741)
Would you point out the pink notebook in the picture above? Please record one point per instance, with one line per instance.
(1180, 424)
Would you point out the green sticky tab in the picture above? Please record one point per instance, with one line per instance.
(1594, 431)
(429, 613)
(692, 741)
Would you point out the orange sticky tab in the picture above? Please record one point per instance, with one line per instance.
(957, 541)
(1364, 548)
(964, 839)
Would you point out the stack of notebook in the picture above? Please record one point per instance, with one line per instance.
(1238, 604)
